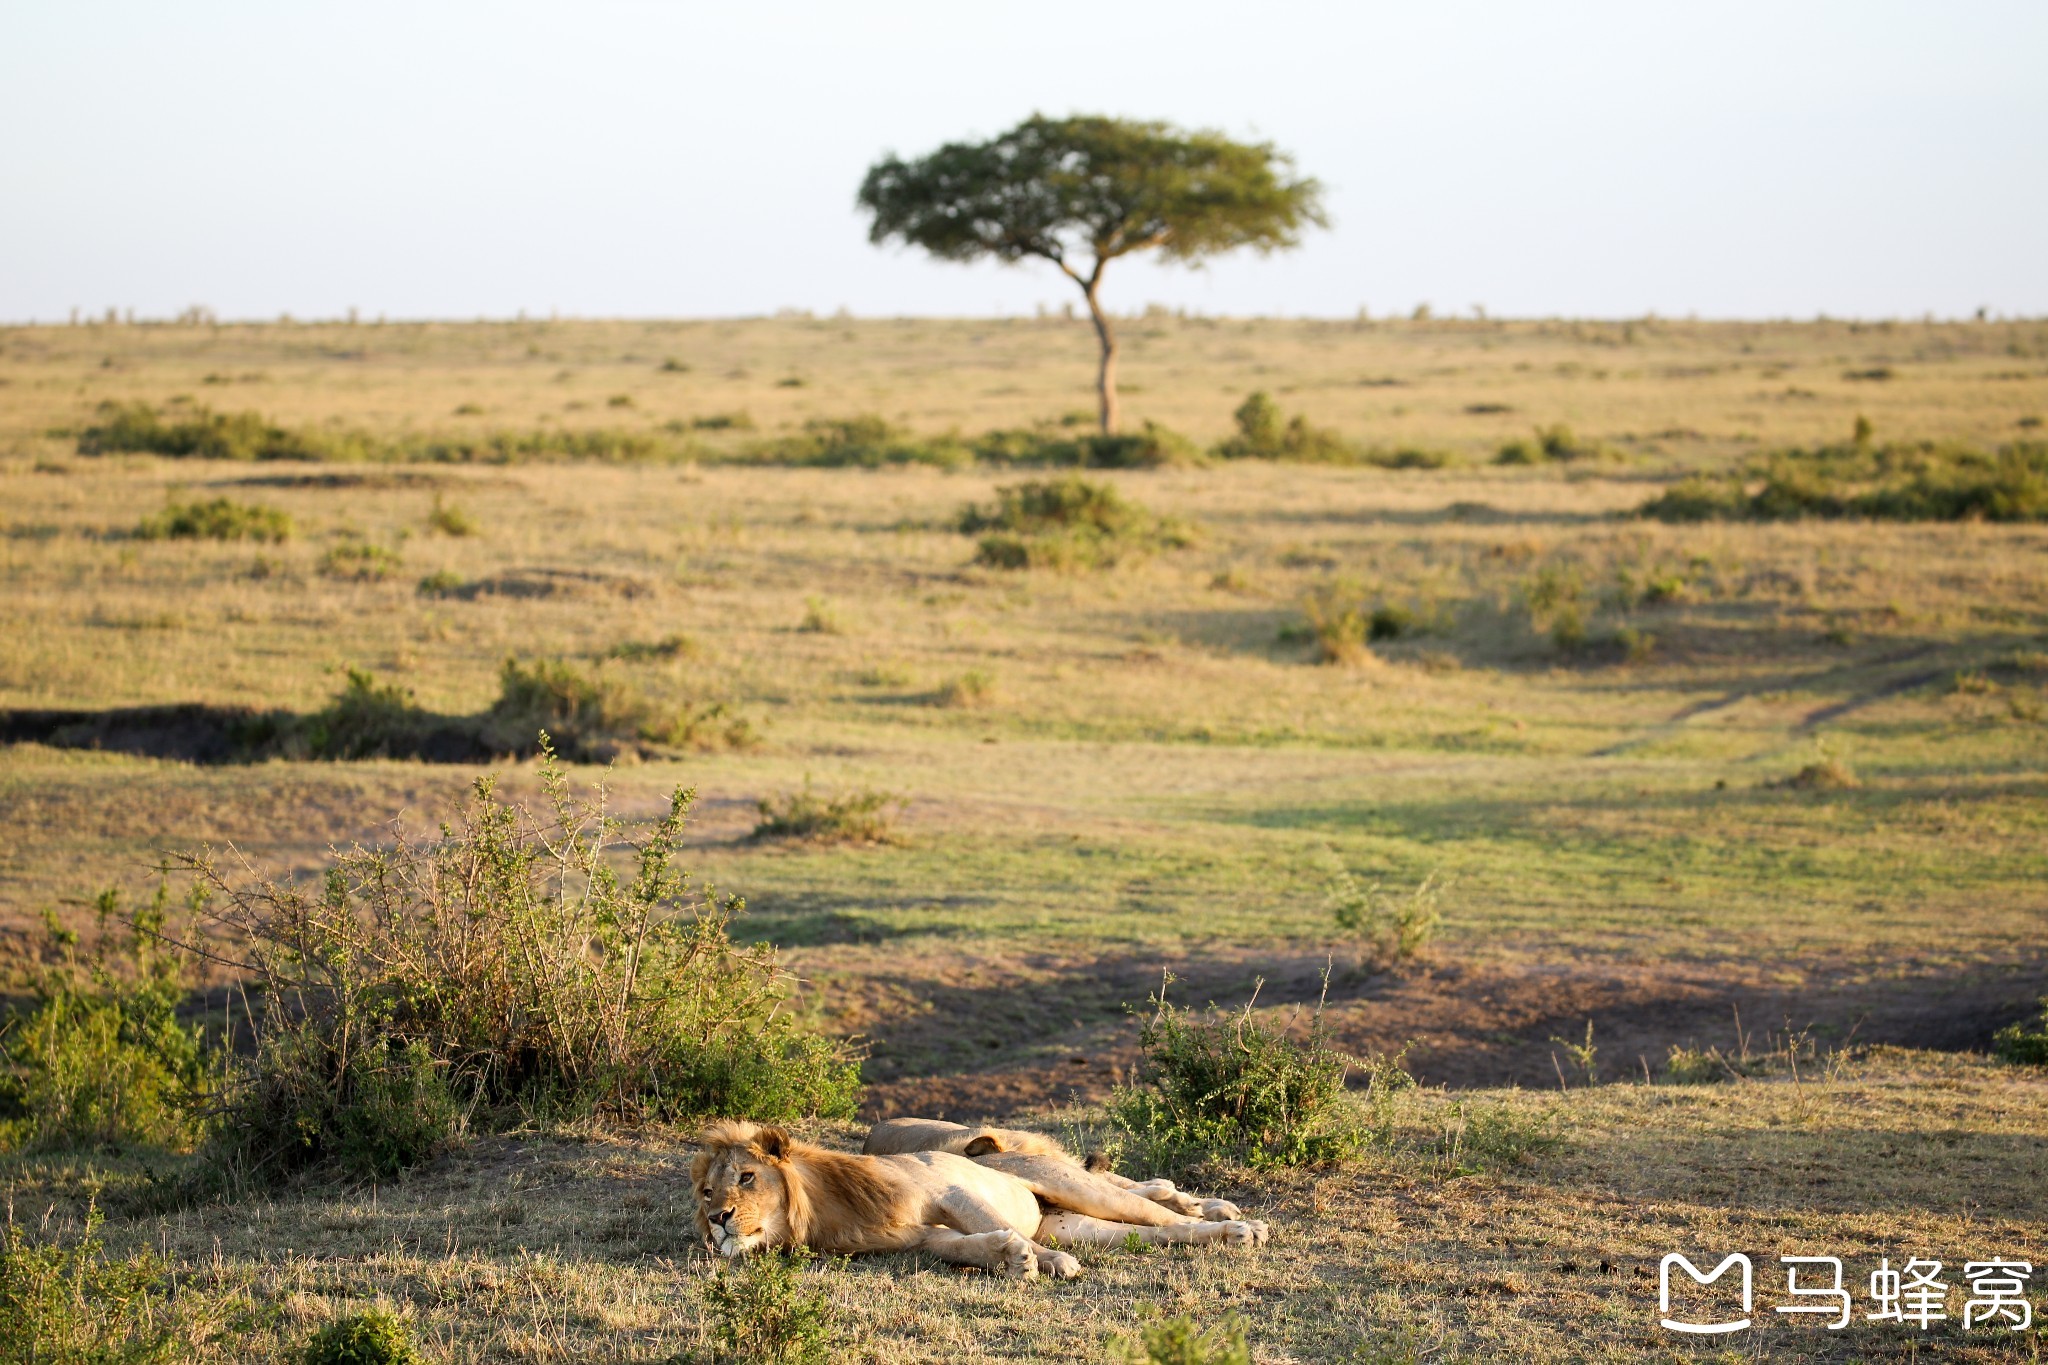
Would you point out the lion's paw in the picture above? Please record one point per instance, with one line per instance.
(1219, 1211)
(1059, 1265)
(1016, 1257)
(1248, 1232)
(1158, 1191)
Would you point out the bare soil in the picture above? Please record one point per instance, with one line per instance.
(987, 1037)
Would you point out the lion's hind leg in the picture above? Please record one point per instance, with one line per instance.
(1078, 1229)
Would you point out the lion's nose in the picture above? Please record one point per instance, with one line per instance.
(723, 1216)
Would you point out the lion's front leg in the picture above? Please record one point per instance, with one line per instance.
(1002, 1252)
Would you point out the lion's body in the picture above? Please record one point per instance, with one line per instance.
(757, 1187)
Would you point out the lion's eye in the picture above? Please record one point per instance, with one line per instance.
(707, 1191)
(746, 1177)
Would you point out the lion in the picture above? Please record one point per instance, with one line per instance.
(757, 1187)
(1019, 1152)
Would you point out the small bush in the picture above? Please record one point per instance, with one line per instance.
(450, 520)
(218, 519)
(442, 583)
(2024, 1043)
(136, 427)
(500, 970)
(1263, 434)
(72, 1304)
(855, 817)
(359, 561)
(590, 717)
(760, 1314)
(1552, 443)
(1222, 1084)
(1387, 928)
(1827, 774)
(377, 1337)
(1065, 523)
(1345, 627)
(366, 719)
(675, 646)
(1184, 1341)
(975, 687)
(820, 619)
(1922, 481)
(866, 441)
(101, 1058)
(703, 726)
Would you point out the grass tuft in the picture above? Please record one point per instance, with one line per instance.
(377, 1337)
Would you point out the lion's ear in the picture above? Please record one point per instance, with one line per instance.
(1097, 1162)
(772, 1143)
(983, 1145)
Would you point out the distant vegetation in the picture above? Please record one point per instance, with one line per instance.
(862, 441)
(863, 816)
(1066, 523)
(216, 519)
(1918, 481)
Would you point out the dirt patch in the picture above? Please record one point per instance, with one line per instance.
(988, 1037)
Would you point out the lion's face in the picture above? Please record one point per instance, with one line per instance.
(742, 1193)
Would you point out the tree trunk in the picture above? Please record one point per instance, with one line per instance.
(1105, 380)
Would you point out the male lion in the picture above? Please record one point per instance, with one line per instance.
(758, 1187)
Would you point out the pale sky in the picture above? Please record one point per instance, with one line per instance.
(441, 159)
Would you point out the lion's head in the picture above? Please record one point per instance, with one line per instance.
(745, 1186)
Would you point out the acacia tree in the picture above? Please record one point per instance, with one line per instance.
(1080, 192)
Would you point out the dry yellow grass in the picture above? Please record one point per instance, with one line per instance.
(1156, 773)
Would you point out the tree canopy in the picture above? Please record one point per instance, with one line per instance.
(1080, 192)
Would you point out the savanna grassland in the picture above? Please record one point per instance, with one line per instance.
(1768, 792)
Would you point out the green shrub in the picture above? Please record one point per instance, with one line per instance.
(673, 646)
(218, 519)
(1552, 443)
(1340, 626)
(496, 972)
(703, 726)
(1386, 928)
(590, 717)
(2024, 1043)
(72, 1304)
(1184, 1341)
(450, 520)
(759, 1312)
(359, 561)
(855, 817)
(1221, 1084)
(378, 1337)
(367, 719)
(866, 441)
(820, 619)
(1065, 523)
(442, 583)
(975, 687)
(101, 1056)
(136, 427)
(1264, 434)
(1923, 481)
